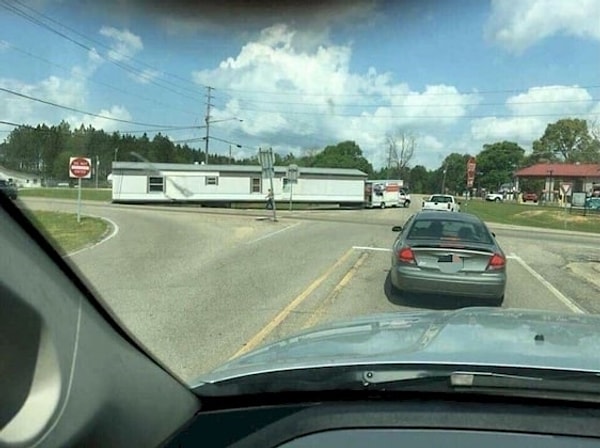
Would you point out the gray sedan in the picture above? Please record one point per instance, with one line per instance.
(448, 253)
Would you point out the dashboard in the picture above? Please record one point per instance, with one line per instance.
(424, 422)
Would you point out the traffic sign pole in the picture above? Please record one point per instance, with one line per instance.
(79, 200)
(79, 168)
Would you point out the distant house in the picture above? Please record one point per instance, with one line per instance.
(581, 176)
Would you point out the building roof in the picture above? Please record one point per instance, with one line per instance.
(561, 170)
(232, 168)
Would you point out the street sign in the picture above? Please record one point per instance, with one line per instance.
(292, 174)
(471, 166)
(566, 188)
(80, 167)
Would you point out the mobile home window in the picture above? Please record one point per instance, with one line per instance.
(156, 184)
(256, 185)
(212, 180)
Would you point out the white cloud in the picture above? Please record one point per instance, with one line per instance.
(69, 92)
(567, 100)
(124, 44)
(118, 112)
(519, 24)
(522, 130)
(287, 94)
(532, 111)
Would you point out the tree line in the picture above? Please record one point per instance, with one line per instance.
(45, 150)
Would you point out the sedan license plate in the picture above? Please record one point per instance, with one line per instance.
(450, 258)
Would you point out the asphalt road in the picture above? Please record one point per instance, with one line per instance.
(198, 286)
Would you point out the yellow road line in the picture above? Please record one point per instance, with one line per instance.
(277, 320)
(318, 313)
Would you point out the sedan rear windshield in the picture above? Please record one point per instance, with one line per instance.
(452, 229)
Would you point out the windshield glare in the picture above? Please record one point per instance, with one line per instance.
(227, 176)
(468, 232)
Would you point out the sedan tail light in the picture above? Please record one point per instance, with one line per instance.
(406, 255)
(496, 262)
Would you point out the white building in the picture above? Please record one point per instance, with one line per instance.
(226, 184)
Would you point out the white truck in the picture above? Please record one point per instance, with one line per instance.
(383, 193)
(441, 202)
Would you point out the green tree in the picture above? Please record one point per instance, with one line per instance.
(454, 180)
(418, 179)
(497, 163)
(568, 140)
(343, 155)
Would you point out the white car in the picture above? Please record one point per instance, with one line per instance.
(494, 197)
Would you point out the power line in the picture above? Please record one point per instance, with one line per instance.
(394, 106)
(407, 94)
(73, 109)
(110, 86)
(97, 42)
(119, 64)
(207, 120)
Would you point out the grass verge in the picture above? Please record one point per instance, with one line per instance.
(87, 194)
(63, 230)
(532, 215)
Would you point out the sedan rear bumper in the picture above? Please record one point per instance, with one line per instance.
(477, 285)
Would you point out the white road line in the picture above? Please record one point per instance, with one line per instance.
(559, 295)
(115, 230)
(379, 249)
(268, 235)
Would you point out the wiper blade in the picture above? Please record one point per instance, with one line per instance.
(482, 381)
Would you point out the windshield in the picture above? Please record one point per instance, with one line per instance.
(467, 232)
(226, 176)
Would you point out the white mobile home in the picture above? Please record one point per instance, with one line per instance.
(226, 184)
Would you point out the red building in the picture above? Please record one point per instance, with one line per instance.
(582, 177)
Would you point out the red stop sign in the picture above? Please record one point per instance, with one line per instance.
(80, 167)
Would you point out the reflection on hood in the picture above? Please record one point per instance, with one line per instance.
(480, 336)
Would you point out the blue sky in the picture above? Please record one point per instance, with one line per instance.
(454, 75)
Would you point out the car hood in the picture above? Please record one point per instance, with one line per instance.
(469, 336)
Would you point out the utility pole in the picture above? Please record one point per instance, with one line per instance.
(230, 154)
(207, 120)
(97, 169)
(444, 180)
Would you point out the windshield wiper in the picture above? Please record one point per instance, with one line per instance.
(424, 379)
(574, 384)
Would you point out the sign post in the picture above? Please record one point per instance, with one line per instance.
(566, 191)
(471, 166)
(79, 168)
(292, 177)
(266, 162)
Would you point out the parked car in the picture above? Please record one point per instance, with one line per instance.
(448, 253)
(533, 197)
(494, 197)
(9, 188)
(592, 203)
